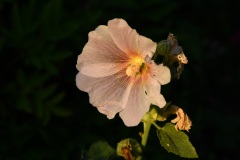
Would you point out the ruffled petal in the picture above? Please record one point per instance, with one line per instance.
(146, 45)
(101, 69)
(153, 92)
(123, 35)
(128, 40)
(109, 94)
(100, 48)
(84, 83)
(110, 112)
(161, 73)
(138, 104)
(111, 108)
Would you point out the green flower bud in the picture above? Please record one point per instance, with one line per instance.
(163, 47)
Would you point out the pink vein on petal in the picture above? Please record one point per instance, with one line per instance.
(101, 69)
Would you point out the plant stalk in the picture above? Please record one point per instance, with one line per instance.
(146, 128)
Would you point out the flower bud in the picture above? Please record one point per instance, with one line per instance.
(163, 47)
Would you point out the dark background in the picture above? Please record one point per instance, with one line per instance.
(44, 116)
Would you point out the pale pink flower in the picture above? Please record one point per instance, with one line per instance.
(116, 70)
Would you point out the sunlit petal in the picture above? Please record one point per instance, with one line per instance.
(153, 90)
(146, 45)
(84, 83)
(138, 104)
(123, 35)
(161, 73)
(101, 69)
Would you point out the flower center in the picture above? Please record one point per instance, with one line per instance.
(137, 66)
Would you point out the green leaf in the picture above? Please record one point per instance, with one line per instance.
(176, 141)
(100, 150)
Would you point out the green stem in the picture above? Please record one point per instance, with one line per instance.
(146, 129)
(155, 124)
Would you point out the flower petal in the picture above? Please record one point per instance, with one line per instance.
(127, 39)
(161, 73)
(101, 69)
(138, 104)
(111, 108)
(109, 94)
(153, 92)
(84, 83)
(146, 45)
(111, 112)
(100, 48)
(123, 35)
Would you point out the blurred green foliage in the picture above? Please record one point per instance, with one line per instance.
(44, 116)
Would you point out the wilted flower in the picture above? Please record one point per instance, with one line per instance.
(182, 120)
(116, 69)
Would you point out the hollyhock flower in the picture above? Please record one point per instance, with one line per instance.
(116, 70)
